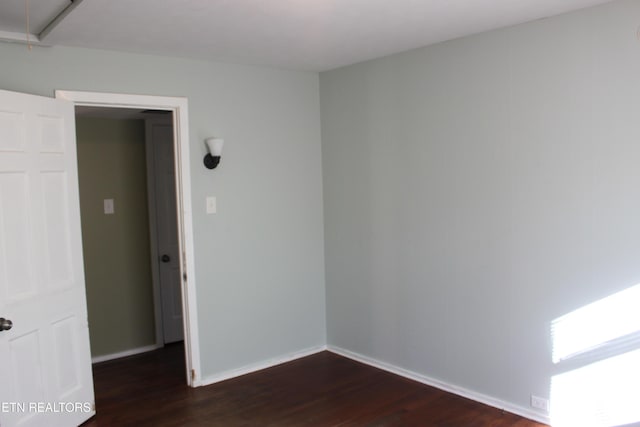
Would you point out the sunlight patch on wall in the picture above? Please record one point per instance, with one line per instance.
(602, 394)
(596, 324)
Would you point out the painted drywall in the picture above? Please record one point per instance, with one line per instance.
(259, 260)
(478, 189)
(117, 265)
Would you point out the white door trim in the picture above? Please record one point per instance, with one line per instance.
(179, 107)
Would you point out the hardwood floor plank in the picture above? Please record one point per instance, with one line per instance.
(319, 390)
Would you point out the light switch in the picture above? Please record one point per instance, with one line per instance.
(211, 205)
(108, 207)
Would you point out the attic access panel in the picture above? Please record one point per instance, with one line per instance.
(13, 16)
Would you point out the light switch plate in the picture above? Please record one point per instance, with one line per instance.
(109, 208)
(211, 205)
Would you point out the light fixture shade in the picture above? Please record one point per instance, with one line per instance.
(214, 145)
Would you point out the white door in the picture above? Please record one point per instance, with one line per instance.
(45, 361)
(160, 134)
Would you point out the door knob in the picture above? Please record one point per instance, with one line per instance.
(5, 324)
(165, 258)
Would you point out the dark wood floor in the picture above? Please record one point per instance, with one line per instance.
(319, 390)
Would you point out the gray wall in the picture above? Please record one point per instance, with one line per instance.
(478, 189)
(259, 260)
(117, 264)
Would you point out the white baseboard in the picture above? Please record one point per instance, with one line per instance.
(258, 366)
(450, 388)
(126, 353)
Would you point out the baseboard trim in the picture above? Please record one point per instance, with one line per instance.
(450, 388)
(126, 353)
(254, 367)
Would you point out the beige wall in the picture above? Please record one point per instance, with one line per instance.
(111, 164)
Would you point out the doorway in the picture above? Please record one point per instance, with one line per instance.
(129, 226)
(184, 257)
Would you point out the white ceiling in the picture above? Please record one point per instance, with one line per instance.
(313, 35)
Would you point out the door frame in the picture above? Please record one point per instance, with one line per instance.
(179, 107)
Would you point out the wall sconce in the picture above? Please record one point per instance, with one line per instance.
(214, 146)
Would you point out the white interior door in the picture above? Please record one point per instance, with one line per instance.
(160, 137)
(45, 361)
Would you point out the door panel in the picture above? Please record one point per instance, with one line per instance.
(167, 229)
(14, 227)
(46, 364)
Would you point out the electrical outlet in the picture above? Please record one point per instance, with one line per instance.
(540, 403)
